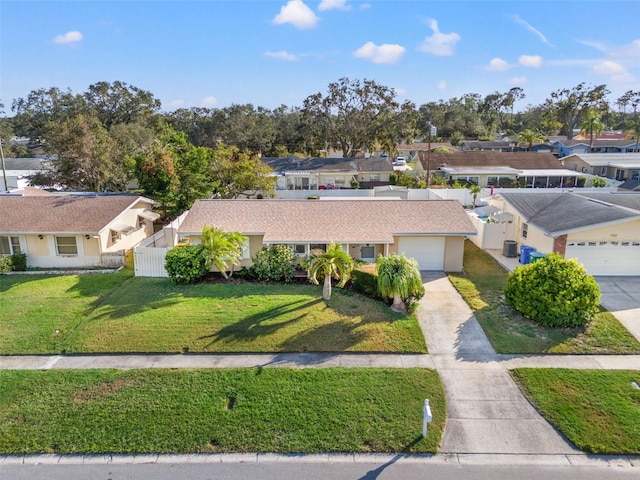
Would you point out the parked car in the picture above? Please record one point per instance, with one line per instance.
(400, 162)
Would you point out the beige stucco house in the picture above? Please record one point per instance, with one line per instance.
(431, 231)
(74, 231)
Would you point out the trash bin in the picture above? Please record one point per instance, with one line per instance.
(525, 252)
(510, 248)
(535, 256)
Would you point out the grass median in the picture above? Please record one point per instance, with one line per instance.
(118, 313)
(597, 410)
(482, 286)
(229, 410)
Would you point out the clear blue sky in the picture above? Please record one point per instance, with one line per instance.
(271, 53)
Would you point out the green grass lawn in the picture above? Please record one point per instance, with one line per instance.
(230, 410)
(482, 286)
(100, 313)
(599, 411)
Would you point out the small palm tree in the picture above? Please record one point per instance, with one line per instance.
(592, 125)
(634, 132)
(475, 190)
(399, 278)
(224, 248)
(334, 263)
(530, 137)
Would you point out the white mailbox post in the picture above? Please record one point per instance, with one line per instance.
(427, 417)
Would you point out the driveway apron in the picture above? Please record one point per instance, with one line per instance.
(487, 413)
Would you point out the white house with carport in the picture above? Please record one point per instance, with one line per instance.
(430, 231)
(617, 166)
(600, 230)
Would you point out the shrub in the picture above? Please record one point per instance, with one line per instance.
(553, 292)
(5, 264)
(18, 262)
(365, 280)
(186, 264)
(581, 182)
(598, 182)
(275, 263)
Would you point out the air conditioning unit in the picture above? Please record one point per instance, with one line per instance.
(510, 248)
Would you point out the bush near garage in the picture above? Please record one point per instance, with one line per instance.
(187, 263)
(553, 292)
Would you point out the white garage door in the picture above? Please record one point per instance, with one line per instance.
(606, 258)
(428, 251)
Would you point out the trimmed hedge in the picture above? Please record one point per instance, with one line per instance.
(275, 263)
(365, 280)
(13, 263)
(187, 263)
(553, 292)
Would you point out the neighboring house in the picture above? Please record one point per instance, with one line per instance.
(19, 170)
(431, 231)
(315, 173)
(498, 169)
(617, 166)
(581, 145)
(74, 231)
(489, 145)
(601, 230)
(411, 151)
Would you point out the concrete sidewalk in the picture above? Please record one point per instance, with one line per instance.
(487, 413)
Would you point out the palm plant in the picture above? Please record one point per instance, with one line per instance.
(634, 132)
(334, 263)
(399, 278)
(530, 137)
(592, 125)
(475, 190)
(224, 248)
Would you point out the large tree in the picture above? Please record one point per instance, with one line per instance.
(118, 102)
(591, 125)
(568, 106)
(530, 137)
(355, 116)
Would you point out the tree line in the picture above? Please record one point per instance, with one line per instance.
(115, 132)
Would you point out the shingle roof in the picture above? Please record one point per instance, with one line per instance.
(61, 214)
(318, 221)
(560, 213)
(319, 164)
(518, 160)
(624, 199)
(26, 163)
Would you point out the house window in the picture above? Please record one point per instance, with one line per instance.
(299, 249)
(66, 246)
(492, 181)
(367, 252)
(115, 236)
(525, 230)
(9, 245)
(318, 246)
(375, 177)
(619, 174)
(142, 222)
(340, 182)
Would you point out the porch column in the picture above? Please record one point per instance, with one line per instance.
(386, 249)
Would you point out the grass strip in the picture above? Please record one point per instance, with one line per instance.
(482, 286)
(597, 410)
(228, 410)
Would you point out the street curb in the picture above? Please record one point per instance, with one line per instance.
(568, 460)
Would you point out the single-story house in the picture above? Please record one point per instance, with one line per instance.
(618, 166)
(489, 145)
(431, 231)
(316, 173)
(74, 231)
(601, 230)
(19, 171)
(498, 169)
(410, 151)
(581, 145)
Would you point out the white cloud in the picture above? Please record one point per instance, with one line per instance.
(282, 55)
(617, 72)
(533, 30)
(333, 5)
(441, 44)
(597, 45)
(630, 50)
(176, 103)
(442, 85)
(497, 65)
(386, 53)
(518, 80)
(69, 37)
(534, 61)
(365, 6)
(298, 14)
(209, 101)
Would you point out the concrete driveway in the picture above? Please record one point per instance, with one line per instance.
(621, 296)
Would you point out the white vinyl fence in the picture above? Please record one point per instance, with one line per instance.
(149, 255)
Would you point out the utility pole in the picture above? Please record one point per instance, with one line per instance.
(4, 169)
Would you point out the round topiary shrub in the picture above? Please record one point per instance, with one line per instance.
(553, 292)
(187, 263)
(275, 263)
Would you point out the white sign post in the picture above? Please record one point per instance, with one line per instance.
(427, 417)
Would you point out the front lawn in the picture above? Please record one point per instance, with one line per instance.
(120, 313)
(482, 286)
(230, 410)
(599, 411)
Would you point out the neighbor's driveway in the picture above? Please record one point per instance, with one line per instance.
(621, 296)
